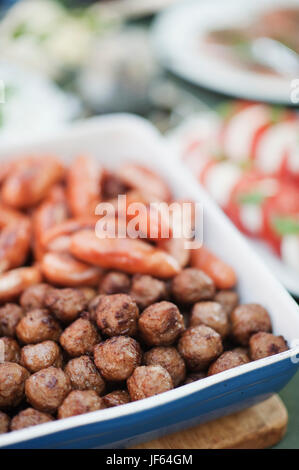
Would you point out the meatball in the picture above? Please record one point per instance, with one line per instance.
(66, 304)
(211, 314)
(115, 282)
(169, 358)
(117, 357)
(227, 360)
(248, 319)
(46, 389)
(37, 326)
(147, 290)
(40, 356)
(117, 315)
(12, 351)
(12, 381)
(34, 296)
(194, 377)
(192, 285)
(79, 338)
(79, 402)
(84, 375)
(199, 346)
(10, 315)
(88, 292)
(161, 324)
(228, 299)
(265, 344)
(29, 417)
(147, 381)
(93, 305)
(4, 422)
(116, 398)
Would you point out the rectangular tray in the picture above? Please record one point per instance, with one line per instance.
(119, 138)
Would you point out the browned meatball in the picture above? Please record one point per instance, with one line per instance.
(147, 381)
(199, 346)
(10, 315)
(194, 377)
(88, 292)
(192, 285)
(147, 290)
(79, 338)
(29, 417)
(12, 351)
(93, 305)
(66, 304)
(117, 358)
(211, 314)
(12, 381)
(79, 402)
(169, 358)
(229, 300)
(161, 324)
(40, 356)
(116, 398)
(265, 344)
(244, 352)
(34, 296)
(227, 360)
(117, 315)
(4, 422)
(38, 325)
(46, 389)
(248, 319)
(115, 282)
(84, 375)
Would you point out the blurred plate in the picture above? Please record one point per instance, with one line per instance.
(32, 106)
(179, 32)
(135, 8)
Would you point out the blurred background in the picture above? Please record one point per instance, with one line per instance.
(219, 78)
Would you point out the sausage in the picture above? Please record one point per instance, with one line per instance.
(229, 300)
(12, 351)
(34, 296)
(112, 186)
(29, 417)
(84, 375)
(228, 360)
(170, 359)
(248, 319)
(46, 389)
(161, 324)
(79, 338)
(117, 357)
(264, 344)
(117, 315)
(192, 285)
(66, 304)
(40, 356)
(12, 381)
(116, 398)
(115, 282)
(4, 422)
(211, 314)
(79, 402)
(147, 381)
(147, 290)
(37, 326)
(199, 346)
(10, 315)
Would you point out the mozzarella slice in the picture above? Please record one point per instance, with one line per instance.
(251, 217)
(220, 180)
(290, 251)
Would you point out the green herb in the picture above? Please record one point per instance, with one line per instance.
(20, 30)
(286, 225)
(254, 198)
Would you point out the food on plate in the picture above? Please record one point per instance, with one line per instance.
(89, 322)
(249, 163)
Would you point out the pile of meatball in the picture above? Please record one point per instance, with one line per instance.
(69, 351)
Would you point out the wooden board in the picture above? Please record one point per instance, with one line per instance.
(258, 427)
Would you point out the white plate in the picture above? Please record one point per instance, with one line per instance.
(136, 8)
(177, 141)
(179, 31)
